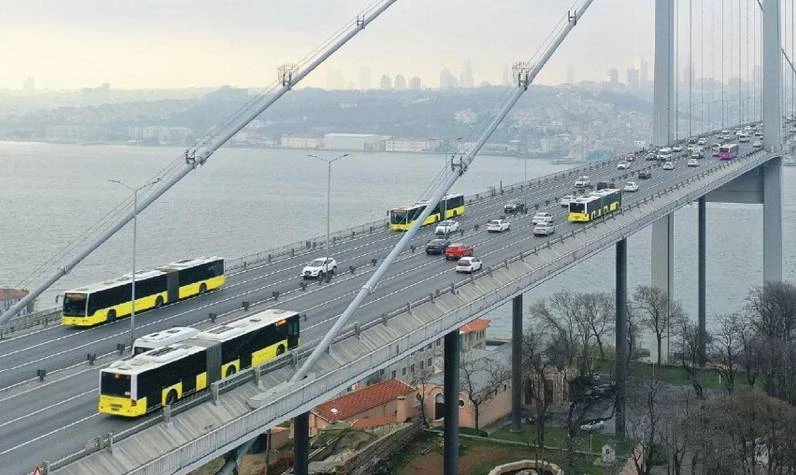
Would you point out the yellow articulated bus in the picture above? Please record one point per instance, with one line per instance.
(594, 205)
(401, 219)
(107, 301)
(152, 379)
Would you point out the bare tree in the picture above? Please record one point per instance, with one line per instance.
(536, 364)
(658, 313)
(675, 429)
(598, 317)
(727, 348)
(690, 354)
(645, 429)
(481, 379)
(420, 381)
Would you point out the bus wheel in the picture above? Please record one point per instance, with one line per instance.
(279, 350)
(111, 316)
(159, 302)
(455, 213)
(230, 371)
(171, 398)
(202, 289)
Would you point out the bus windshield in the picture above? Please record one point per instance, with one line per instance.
(115, 384)
(74, 303)
(575, 207)
(398, 217)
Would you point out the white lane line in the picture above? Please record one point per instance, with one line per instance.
(48, 434)
(48, 407)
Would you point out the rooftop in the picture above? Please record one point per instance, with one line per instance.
(8, 294)
(357, 402)
(477, 325)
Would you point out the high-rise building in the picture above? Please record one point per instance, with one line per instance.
(644, 76)
(613, 76)
(466, 78)
(29, 86)
(400, 82)
(571, 74)
(447, 80)
(632, 78)
(364, 79)
(414, 83)
(386, 83)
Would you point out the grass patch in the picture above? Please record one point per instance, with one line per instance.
(504, 454)
(676, 375)
(556, 437)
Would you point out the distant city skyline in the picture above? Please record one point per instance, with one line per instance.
(175, 44)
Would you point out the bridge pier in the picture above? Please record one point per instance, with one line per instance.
(662, 266)
(663, 98)
(451, 381)
(772, 220)
(516, 363)
(621, 336)
(301, 444)
(702, 279)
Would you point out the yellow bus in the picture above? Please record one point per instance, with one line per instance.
(106, 301)
(401, 219)
(162, 376)
(594, 205)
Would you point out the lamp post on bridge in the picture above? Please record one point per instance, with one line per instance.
(329, 162)
(135, 231)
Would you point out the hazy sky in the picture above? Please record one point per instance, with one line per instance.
(182, 43)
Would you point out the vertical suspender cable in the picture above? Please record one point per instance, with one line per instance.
(702, 65)
(676, 71)
(740, 76)
(690, 63)
(722, 62)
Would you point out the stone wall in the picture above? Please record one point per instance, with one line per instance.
(385, 447)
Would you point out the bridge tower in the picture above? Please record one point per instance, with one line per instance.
(662, 254)
(772, 141)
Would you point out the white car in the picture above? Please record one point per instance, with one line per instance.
(668, 166)
(446, 227)
(631, 186)
(497, 226)
(542, 217)
(622, 166)
(582, 182)
(564, 201)
(321, 265)
(544, 229)
(468, 264)
(677, 149)
(702, 141)
(593, 426)
(692, 162)
(757, 144)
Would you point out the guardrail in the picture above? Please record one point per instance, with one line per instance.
(365, 363)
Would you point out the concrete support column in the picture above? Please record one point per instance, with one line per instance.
(301, 444)
(702, 278)
(663, 100)
(662, 266)
(621, 335)
(772, 76)
(516, 364)
(772, 220)
(451, 380)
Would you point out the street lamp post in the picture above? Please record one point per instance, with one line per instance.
(135, 232)
(329, 162)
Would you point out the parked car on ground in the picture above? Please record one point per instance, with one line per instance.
(542, 217)
(514, 207)
(457, 250)
(446, 227)
(468, 264)
(319, 266)
(631, 186)
(592, 426)
(497, 226)
(437, 246)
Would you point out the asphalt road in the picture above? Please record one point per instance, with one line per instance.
(48, 420)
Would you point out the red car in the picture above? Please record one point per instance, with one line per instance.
(458, 250)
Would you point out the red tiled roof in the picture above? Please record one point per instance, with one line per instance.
(356, 402)
(370, 422)
(8, 294)
(477, 325)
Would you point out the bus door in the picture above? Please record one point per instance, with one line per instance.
(173, 285)
(213, 363)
